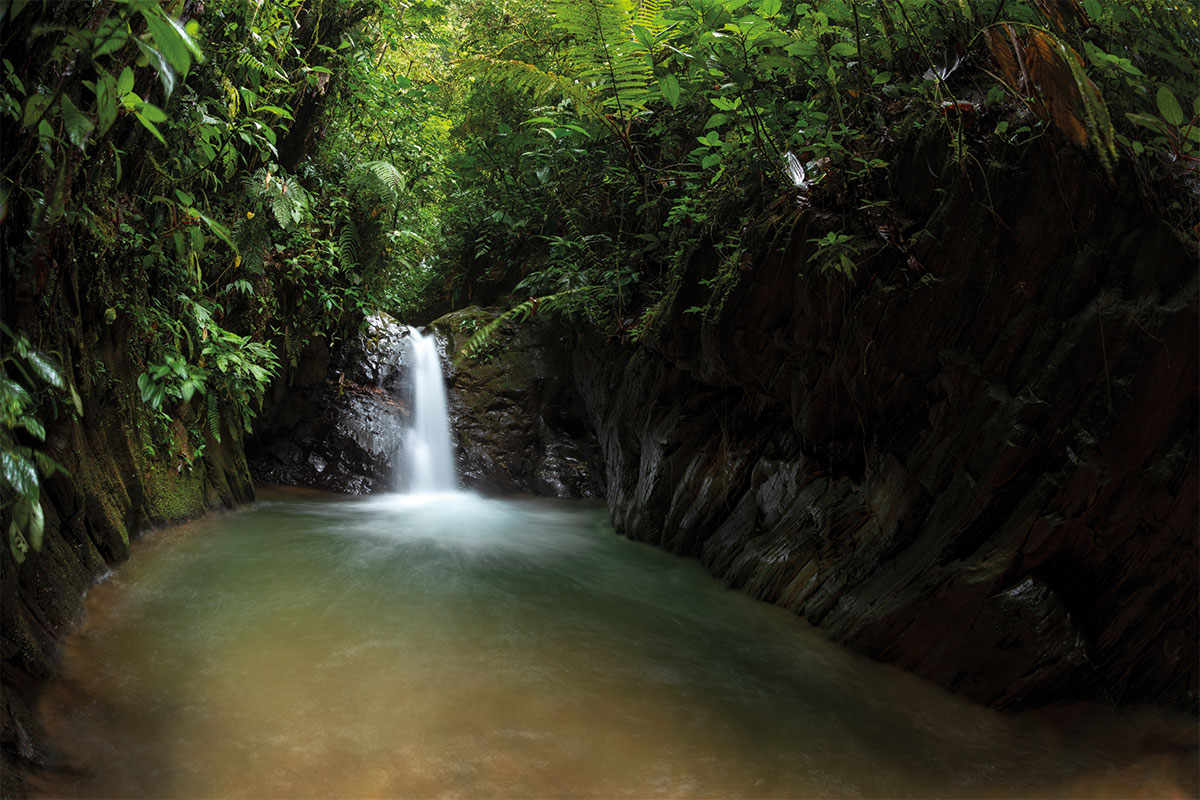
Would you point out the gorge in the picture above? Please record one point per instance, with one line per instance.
(884, 313)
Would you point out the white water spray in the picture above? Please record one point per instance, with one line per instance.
(429, 455)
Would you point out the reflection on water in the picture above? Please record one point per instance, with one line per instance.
(453, 646)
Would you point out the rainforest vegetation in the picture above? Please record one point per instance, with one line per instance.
(223, 180)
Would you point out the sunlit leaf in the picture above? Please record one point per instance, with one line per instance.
(16, 542)
(125, 82)
(36, 524)
(46, 369)
(150, 127)
(17, 472)
(161, 66)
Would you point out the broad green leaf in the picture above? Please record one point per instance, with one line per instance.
(843, 49)
(150, 127)
(801, 49)
(145, 386)
(47, 465)
(716, 121)
(217, 228)
(769, 8)
(35, 107)
(111, 36)
(184, 197)
(1169, 106)
(125, 82)
(16, 8)
(171, 39)
(152, 112)
(670, 89)
(78, 126)
(283, 112)
(13, 397)
(18, 473)
(106, 101)
(1148, 121)
(643, 36)
(21, 512)
(45, 368)
(32, 425)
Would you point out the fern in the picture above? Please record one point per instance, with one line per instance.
(610, 69)
(214, 417)
(285, 196)
(387, 174)
(521, 312)
(605, 54)
(349, 245)
(521, 77)
(650, 15)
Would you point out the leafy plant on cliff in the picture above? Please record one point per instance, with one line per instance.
(25, 371)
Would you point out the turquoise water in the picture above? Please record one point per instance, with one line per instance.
(454, 646)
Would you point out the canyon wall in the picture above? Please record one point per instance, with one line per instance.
(126, 476)
(975, 459)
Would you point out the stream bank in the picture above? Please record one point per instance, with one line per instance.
(976, 459)
(118, 488)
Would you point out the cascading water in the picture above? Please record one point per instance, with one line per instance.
(429, 455)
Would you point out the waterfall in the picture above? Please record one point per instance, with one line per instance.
(429, 455)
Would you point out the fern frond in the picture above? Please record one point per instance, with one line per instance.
(605, 53)
(349, 245)
(214, 417)
(387, 174)
(519, 313)
(650, 15)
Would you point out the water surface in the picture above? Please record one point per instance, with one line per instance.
(453, 646)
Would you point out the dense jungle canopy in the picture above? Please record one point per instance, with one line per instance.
(220, 181)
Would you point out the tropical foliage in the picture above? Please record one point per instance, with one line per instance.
(214, 184)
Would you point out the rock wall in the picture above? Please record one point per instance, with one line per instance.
(519, 424)
(335, 421)
(118, 488)
(977, 459)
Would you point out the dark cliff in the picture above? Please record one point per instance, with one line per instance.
(976, 459)
(130, 470)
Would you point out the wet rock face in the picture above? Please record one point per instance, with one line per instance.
(978, 463)
(518, 422)
(340, 425)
